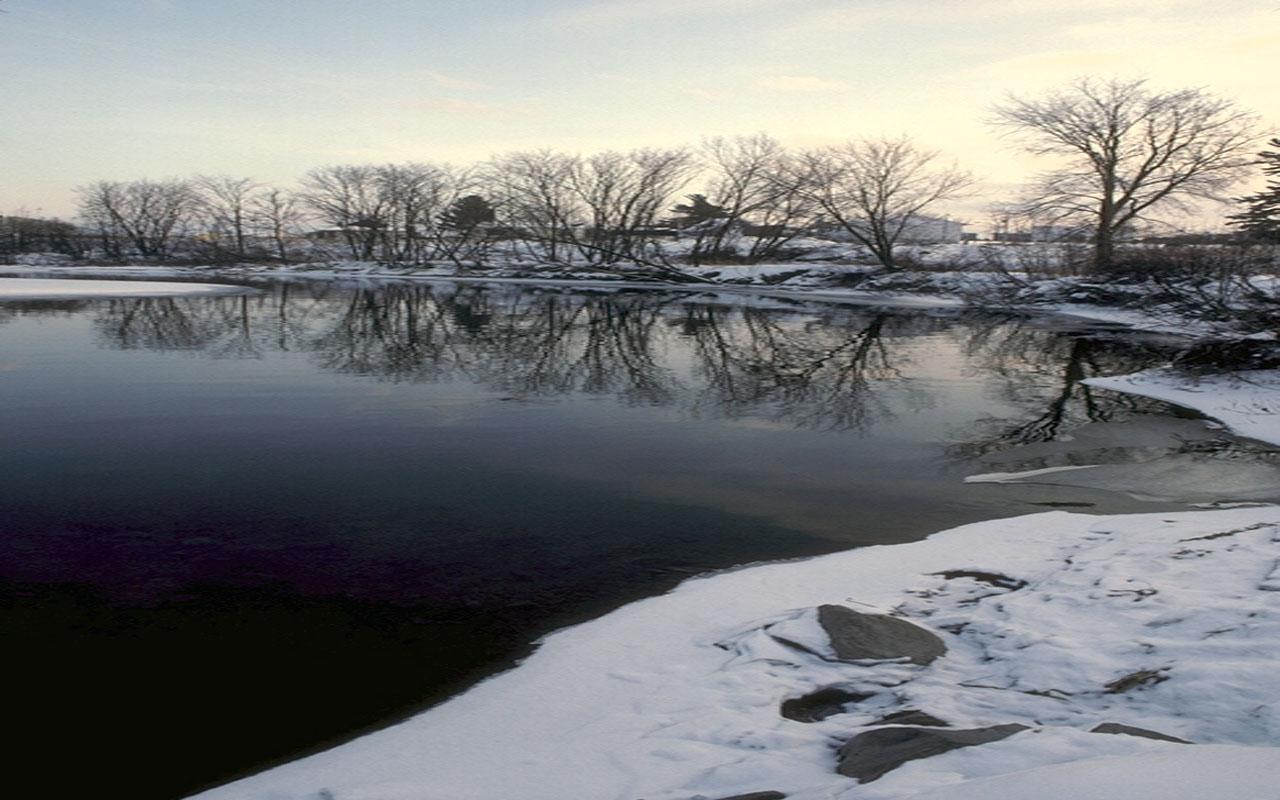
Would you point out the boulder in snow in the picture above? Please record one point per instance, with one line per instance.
(1129, 730)
(817, 706)
(871, 754)
(856, 636)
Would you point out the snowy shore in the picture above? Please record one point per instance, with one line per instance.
(1247, 403)
(1165, 621)
(963, 286)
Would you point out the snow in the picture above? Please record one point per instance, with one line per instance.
(1247, 402)
(1013, 477)
(677, 696)
(52, 288)
(1250, 774)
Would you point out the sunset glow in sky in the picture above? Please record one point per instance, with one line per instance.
(123, 89)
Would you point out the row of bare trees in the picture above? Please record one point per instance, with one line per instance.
(1121, 151)
(208, 215)
(602, 209)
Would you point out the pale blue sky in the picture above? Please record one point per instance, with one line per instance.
(124, 89)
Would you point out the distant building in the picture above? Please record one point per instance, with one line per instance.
(919, 230)
(932, 230)
(1058, 233)
(1011, 236)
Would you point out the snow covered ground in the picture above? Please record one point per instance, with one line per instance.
(58, 289)
(1057, 621)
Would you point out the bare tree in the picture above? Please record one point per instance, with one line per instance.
(350, 199)
(753, 192)
(601, 209)
(621, 196)
(1126, 151)
(534, 197)
(144, 215)
(224, 202)
(876, 190)
(413, 196)
(275, 214)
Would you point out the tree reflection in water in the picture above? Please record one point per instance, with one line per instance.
(819, 367)
(1044, 375)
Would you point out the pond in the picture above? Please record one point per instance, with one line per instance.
(240, 528)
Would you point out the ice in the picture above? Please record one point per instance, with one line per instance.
(56, 289)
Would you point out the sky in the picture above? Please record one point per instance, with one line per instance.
(125, 89)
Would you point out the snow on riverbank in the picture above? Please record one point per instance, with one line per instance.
(828, 283)
(1055, 621)
(58, 289)
(1247, 402)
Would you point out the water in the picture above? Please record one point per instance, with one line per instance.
(237, 529)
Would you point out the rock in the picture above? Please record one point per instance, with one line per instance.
(871, 754)
(1129, 730)
(996, 579)
(817, 706)
(855, 636)
(1136, 680)
(757, 796)
(912, 716)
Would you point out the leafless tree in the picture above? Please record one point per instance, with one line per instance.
(754, 191)
(1127, 150)
(534, 197)
(350, 199)
(413, 196)
(143, 215)
(275, 215)
(876, 190)
(224, 202)
(621, 196)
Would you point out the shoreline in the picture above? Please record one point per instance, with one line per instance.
(924, 298)
(677, 696)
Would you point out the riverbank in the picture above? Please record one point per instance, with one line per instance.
(1058, 622)
(1142, 305)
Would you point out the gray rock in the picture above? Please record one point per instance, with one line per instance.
(1129, 730)
(912, 716)
(855, 636)
(757, 796)
(871, 754)
(817, 706)
(1137, 680)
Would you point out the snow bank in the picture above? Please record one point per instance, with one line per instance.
(1248, 403)
(57, 289)
(1162, 621)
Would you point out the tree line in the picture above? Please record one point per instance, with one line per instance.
(1121, 151)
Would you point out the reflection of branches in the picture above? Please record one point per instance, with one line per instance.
(1044, 372)
(811, 373)
(522, 343)
(835, 368)
(156, 323)
(240, 326)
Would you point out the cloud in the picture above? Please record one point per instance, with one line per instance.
(849, 18)
(803, 84)
(446, 81)
(624, 12)
(461, 106)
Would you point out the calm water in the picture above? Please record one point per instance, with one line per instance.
(239, 528)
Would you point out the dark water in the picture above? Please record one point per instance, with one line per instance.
(239, 528)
